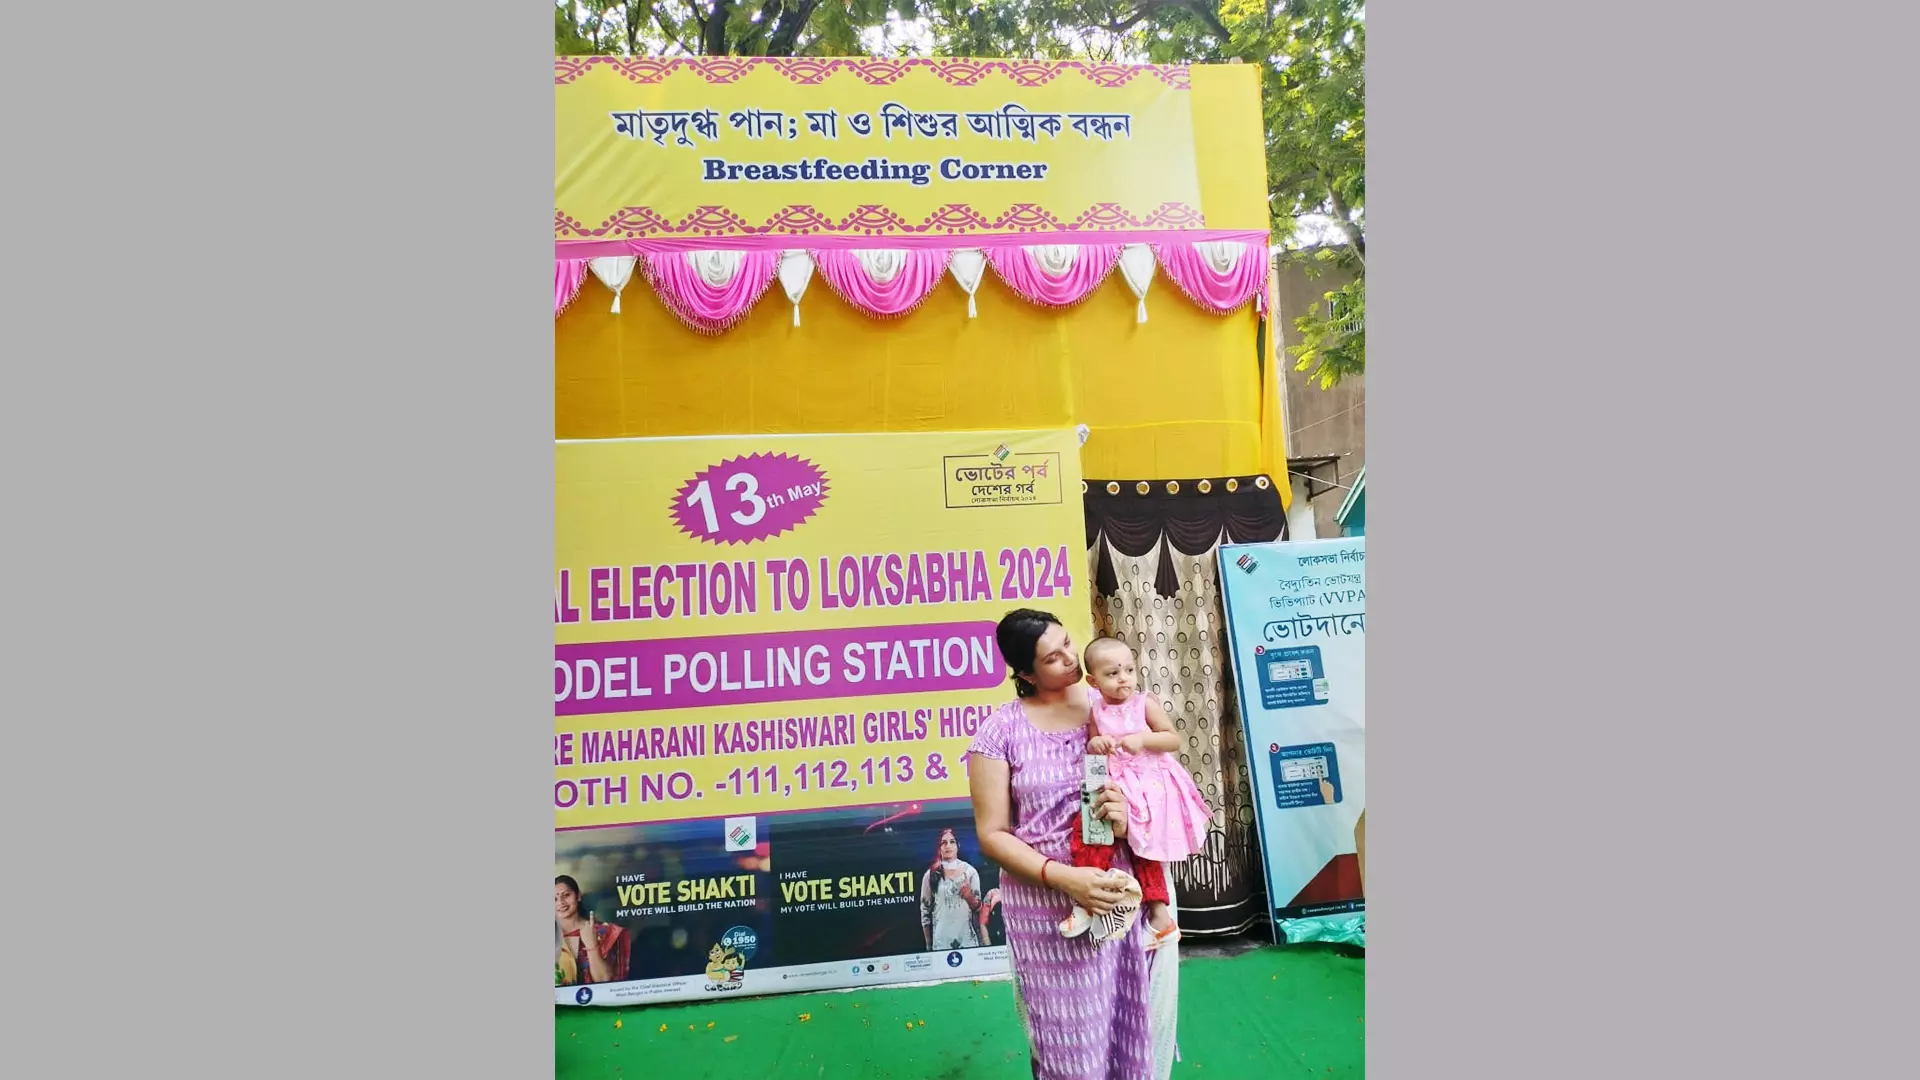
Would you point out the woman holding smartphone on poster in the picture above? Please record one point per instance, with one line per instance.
(588, 951)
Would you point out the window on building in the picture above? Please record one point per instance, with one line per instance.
(1336, 314)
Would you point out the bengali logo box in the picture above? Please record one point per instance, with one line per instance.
(1002, 477)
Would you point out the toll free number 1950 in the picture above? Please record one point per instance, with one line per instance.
(781, 781)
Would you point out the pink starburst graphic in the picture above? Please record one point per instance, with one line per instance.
(744, 499)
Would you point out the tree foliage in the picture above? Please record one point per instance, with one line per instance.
(721, 27)
(1333, 338)
(1311, 54)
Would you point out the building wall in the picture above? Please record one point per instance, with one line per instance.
(1301, 523)
(1320, 423)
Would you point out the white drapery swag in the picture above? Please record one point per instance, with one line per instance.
(882, 264)
(969, 265)
(614, 271)
(716, 268)
(796, 270)
(1136, 268)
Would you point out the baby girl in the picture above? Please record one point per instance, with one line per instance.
(1167, 819)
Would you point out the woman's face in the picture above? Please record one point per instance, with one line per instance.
(949, 847)
(1056, 665)
(566, 902)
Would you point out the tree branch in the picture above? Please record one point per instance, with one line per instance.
(792, 21)
(660, 20)
(1207, 15)
(1343, 217)
(769, 13)
(713, 29)
(632, 22)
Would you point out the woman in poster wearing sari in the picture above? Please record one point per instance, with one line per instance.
(577, 961)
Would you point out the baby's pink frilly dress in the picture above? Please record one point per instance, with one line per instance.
(1166, 817)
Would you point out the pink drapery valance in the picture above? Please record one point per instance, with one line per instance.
(568, 276)
(1219, 273)
(910, 276)
(594, 249)
(710, 302)
(1025, 271)
(1204, 275)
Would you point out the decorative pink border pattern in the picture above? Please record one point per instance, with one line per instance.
(953, 219)
(805, 71)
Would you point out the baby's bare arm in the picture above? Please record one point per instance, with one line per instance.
(1160, 736)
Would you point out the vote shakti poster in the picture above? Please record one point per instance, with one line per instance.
(1297, 625)
(771, 654)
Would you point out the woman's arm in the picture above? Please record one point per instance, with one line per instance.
(597, 964)
(926, 907)
(991, 783)
(1160, 737)
(992, 821)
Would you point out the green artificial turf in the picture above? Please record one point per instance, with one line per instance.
(1273, 1013)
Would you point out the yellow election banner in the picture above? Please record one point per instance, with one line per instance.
(725, 146)
(771, 623)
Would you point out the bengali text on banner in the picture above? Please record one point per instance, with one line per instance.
(692, 148)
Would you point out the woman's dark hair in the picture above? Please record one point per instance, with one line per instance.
(569, 883)
(1019, 635)
(948, 831)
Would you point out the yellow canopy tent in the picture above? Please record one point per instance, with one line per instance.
(1186, 393)
(753, 246)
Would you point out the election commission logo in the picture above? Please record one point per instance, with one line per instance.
(954, 958)
(584, 995)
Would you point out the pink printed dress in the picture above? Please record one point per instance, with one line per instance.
(1166, 817)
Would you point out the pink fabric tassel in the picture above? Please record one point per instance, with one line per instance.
(1214, 291)
(568, 276)
(708, 308)
(919, 275)
(1018, 267)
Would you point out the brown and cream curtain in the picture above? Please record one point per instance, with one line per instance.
(1152, 548)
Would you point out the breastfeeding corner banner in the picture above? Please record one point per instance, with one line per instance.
(697, 147)
(1297, 625)
(771, 655)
